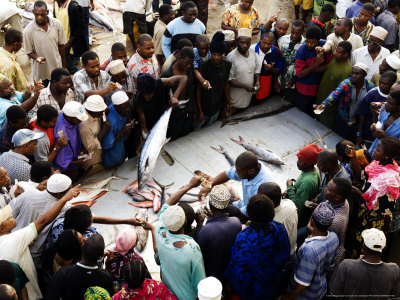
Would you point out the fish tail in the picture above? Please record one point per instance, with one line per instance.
(236, 141)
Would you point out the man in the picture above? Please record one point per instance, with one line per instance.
(354, 9)
(187, 26)
(57, 93)
(182, 43)
(143, 61)
(201, 55)
(390, 63)
(167, 14)
(349, 93)
(44, 43)
(39, 174)
(9, 66)
(91, 80)
(368, 275)
(310, 66)
(219, 227)
(68, 159)
(14, 246)
(245, 71)
(120, 128)
(342, 32)
(289, 44)
(82, 275)
(216, 72)
(16, 161)
(364, 113)
(119, 75)
(118, 51)
(314, 257)
(361, 24)
(16, 120)
(372, 54)
(181, 121)
(281, 27)
(387, 20)
(183, 272)
(9, 97)
(285, 211)
(327, 13)
(94, 129)
(29, 206)
(249, 171)
(86, 6)
(47, 149)
(338, 69)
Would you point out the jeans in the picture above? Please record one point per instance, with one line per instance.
(156, 4)
(85, 11)
(72, 63)
(208, 120)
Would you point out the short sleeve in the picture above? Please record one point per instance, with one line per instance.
(62, 40)
(42, 150)
(306, 268)
(28, 40)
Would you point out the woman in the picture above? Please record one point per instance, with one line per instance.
(242, 15)
(381, 192)
(259, 253)
(139, 286)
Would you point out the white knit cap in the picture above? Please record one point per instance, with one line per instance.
(361, 66)
(244, 32)
(95, 103)
(379, 32)
(173, 218)
(58, 183)
(393, 61)
(209, 288)
(374, 239)
(119, 97)
(220, 196)
(116, 67)
(229, 35)
(5, 213)
(75, 109)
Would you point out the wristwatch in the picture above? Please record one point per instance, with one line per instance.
(55, 149)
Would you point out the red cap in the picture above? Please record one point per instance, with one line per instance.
(308, 154)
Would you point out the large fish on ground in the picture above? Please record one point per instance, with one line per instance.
(256, 114)
(223, 151)
(156, 139)
(261, 153)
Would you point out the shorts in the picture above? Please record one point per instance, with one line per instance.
(265, 87)
(307, 4)
(129, 17)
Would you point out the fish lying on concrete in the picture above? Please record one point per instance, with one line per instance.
(225, 153)
(256, 114)
(261, 153)
(152, 147)
(98, 184)
(144, 204)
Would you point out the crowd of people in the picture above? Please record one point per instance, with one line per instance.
(329, 233)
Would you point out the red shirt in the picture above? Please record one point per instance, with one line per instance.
(48, 131)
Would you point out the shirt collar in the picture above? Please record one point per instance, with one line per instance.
(6, 53)
(320, 237)
(87, 267)
(380, 93)
(315, 20)
(37, 27)
(19, 156)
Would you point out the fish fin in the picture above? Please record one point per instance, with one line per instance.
(241, 139)
(236, 141)
(166, 187)
(216, 149)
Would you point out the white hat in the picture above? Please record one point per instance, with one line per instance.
(76, 110)
(173, 218)
(229, 35)
(95, 103)
(116, 67)
(374, 239)
(393, 61)
(244, 32)
(23, 136)
(361, 66)
(209, 288)
(5, 213)
(220, 196)
(119, 97)
(58, 183)
(379, 32)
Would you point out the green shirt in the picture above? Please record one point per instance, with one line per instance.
(305, 188)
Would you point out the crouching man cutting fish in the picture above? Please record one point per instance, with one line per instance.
(249, 171)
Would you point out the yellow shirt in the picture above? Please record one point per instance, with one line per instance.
(61, 14)
(10, 68)
(235, 19)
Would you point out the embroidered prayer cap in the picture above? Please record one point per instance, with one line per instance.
(146, 84)
(58, 183)
(308, 154)
(119, 97)
(209, 288)
(220, 196)
(229, 35)
(173, 218)
(244, 32)
(95, 103)
(116, 66)
(23, 136)
(393, 61)
(217, 44)
(379, 32)
(5, 213)
(125, 240)
(76, 110)
(374, 239)
(96, 293)
(362, 66)
(324, 214)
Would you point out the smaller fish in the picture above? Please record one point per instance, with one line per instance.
(153, 185)
(223, 151)
(167, 157)
(144, 204)
(189, 198)
(156, 203)
(140, 195)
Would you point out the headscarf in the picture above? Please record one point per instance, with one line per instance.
(146, 84)
(96, 293)
(125, 240)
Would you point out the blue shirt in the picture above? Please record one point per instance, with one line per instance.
(6, 103)
(313, 261)
(113, 154)
(387, 20)
(250, 187)
(257, 257)
(393, 130)
(198, 60)
(6, 134)
(273, 57)
(354, 10)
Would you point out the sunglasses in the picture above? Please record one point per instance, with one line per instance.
(373, 43)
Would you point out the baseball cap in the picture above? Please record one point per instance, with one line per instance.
(75, 109)
(23, 136)
(95, 103)
(374, 239)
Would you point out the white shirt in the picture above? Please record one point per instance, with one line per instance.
(362, 55)
(83, 3)
(355, 41)
(137, 6)
(286, 214)
(260, 55)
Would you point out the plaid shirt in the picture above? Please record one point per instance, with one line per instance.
(6, 134)
(83, 83)
(16, 165)
(138, 64)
